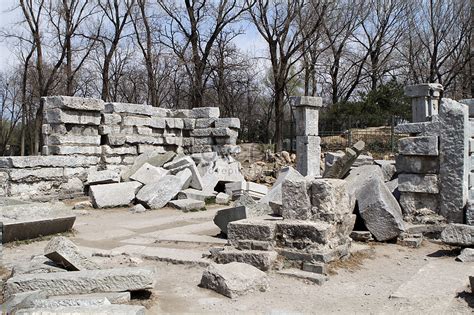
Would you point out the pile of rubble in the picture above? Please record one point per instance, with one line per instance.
(68, 282)
(156, 180)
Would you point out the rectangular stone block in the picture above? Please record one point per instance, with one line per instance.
(251, 229)
(72, 139)
(71, 150)
(114, 195)
(32, 175)
(157, 122)
(143, 139)
(65, 253)
(228, 123)
(74, 103)
(49, 161)
(417, 164)
(189, 123)
(418, 146)
(83, 282)
(206, 132)
(306, 119)
(59, 116)
(147, 147)
(310, 101)
(205, 122)
(112, 119)
(86, 310)
(174, 123)
(302, 234)
(224, 132)
(415, 203)
(422, 128)
(308, 155)
(420, 183)
(136, 121)
(205, 112)
(128, 108)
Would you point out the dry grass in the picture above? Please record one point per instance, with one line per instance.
(352, 264)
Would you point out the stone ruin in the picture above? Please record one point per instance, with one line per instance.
(122, 154)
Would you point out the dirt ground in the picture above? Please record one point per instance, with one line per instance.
(388, 279)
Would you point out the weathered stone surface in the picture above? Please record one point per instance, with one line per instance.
(100, 309)
(228, 172)
(113, 195)
(375, 202)
(362, 160)
(263, 260)
(187, 204)
(65, 302)
(304, 275)
(342, 165)
(148, 173)
(234, 279)
(76, 103)
(458, 234)
(253, 208)
(303, 234)
(308, 150)
(421, 183)
(467, 255)
(205, 112)
(102, 177)
(307, 101)
(79, 282)
(113, 297)
(157, 195)
(16, 301)
(48, 161)
(296, 203)
(65, 253)
(225, 216)
(71, 150)
(222, 199)
(329, 200)
(152, 157)
(427, 146)
(413, 203)
(422, 128)
(388, 168)
(361, 236)
(190, 193)
(68, 116)
(417, 164)
(256, 229)
(129, 108)
(72, 140)
(228, 123)
(273, 197)
(454, 154)
(186, 163)
(39, 174)
(306, 119)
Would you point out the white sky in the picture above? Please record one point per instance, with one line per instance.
(250, 42)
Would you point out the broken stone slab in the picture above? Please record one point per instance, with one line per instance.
(102, 177)
(362, 160)
(65, 253)
(32, 220)
(234, 279)
(467, 255)
(81, 282)
(375, 202)
(253, 208)
(410, 240)
(263, 260)
(153, 157)
(254, 190)
(187, 204)
(342, 165)
(388, 169)
(318, 279)
(148, 173)
(458, 235)
(393, 187)
(48, 161)
(426, 146)
(225, 216)
(418, 183)
(37, 264)
(100, 309)
(157, 195)
(296, 203)
(66, 302)
(113, 195)
(191, 193)
(186, 163)
(228, 171)
(274, 196)
(18, 300)
(417, 164)
(222, 199)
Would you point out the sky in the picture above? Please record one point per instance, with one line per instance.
(251, 42)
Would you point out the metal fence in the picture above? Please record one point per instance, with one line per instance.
(380, 140)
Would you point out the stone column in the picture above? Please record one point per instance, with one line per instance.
(424, 100)
(308, 148)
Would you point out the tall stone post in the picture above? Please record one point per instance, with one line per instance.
(425, 100)
(308, 143)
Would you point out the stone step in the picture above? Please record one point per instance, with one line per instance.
(315, 267)
(304, 275)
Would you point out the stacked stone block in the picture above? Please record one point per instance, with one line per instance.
(45, 178)
(71, 126)
(469, 217)
(308, 143)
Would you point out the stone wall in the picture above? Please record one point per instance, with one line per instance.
(80, 134)
(470, 205)
(433, 162)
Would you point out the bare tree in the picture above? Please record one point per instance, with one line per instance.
(286, 26)
(193, 31)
